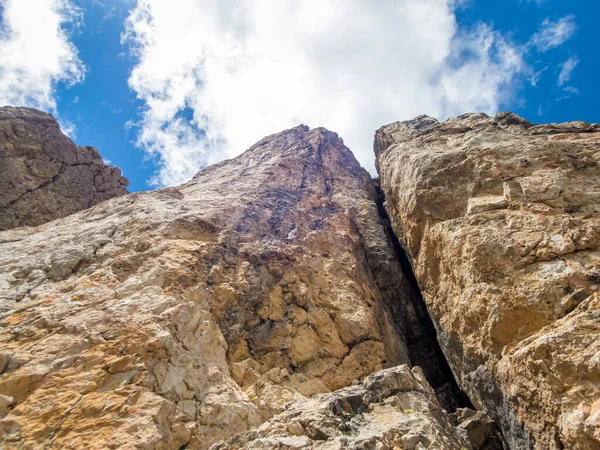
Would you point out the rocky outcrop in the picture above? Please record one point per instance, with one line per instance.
(501, 221)
(44, 174)
(187, 315)
(393, 409)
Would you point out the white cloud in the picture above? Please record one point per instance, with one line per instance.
(537, 2)
(68, 128)
(536, 76)
(567, 70)
(35, 51)
(553, 34)
(217, 75)
(482, 80)
(572, 90)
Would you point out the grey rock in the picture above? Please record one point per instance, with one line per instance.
(392, 409)
(44, 175)
(482, 431)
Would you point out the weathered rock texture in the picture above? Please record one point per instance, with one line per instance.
(44, 174)
(501, 220)
(393, 409)
(187, 315)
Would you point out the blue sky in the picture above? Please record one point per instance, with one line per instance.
(162, 88)
(548, 102)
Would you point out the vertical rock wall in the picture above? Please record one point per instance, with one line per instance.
(501, 221)
(186, 315)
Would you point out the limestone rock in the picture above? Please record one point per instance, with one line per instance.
(501, 221)
(187, 315)
(44, 174)
(392, 409)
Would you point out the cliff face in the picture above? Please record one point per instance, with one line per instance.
(267, 304)
(501, 221)
(44, 174)
(186, 315)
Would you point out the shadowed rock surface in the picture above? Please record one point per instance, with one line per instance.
(44, 174)
(187, 315)
(501, 221)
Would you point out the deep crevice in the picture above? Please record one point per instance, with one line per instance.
(427, 352)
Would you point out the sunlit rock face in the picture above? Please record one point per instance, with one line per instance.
(187, 315)
(501, 221)
(394, 408)
(44, 175)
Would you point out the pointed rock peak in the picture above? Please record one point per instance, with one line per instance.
(302, 133)
(297, 154)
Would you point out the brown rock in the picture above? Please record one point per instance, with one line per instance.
(501, 221)
(44, 174)
(187, 315)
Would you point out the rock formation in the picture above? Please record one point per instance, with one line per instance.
(187, 315)
(395, 408)
(501, 221)
(44, 174)
(264, 305)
